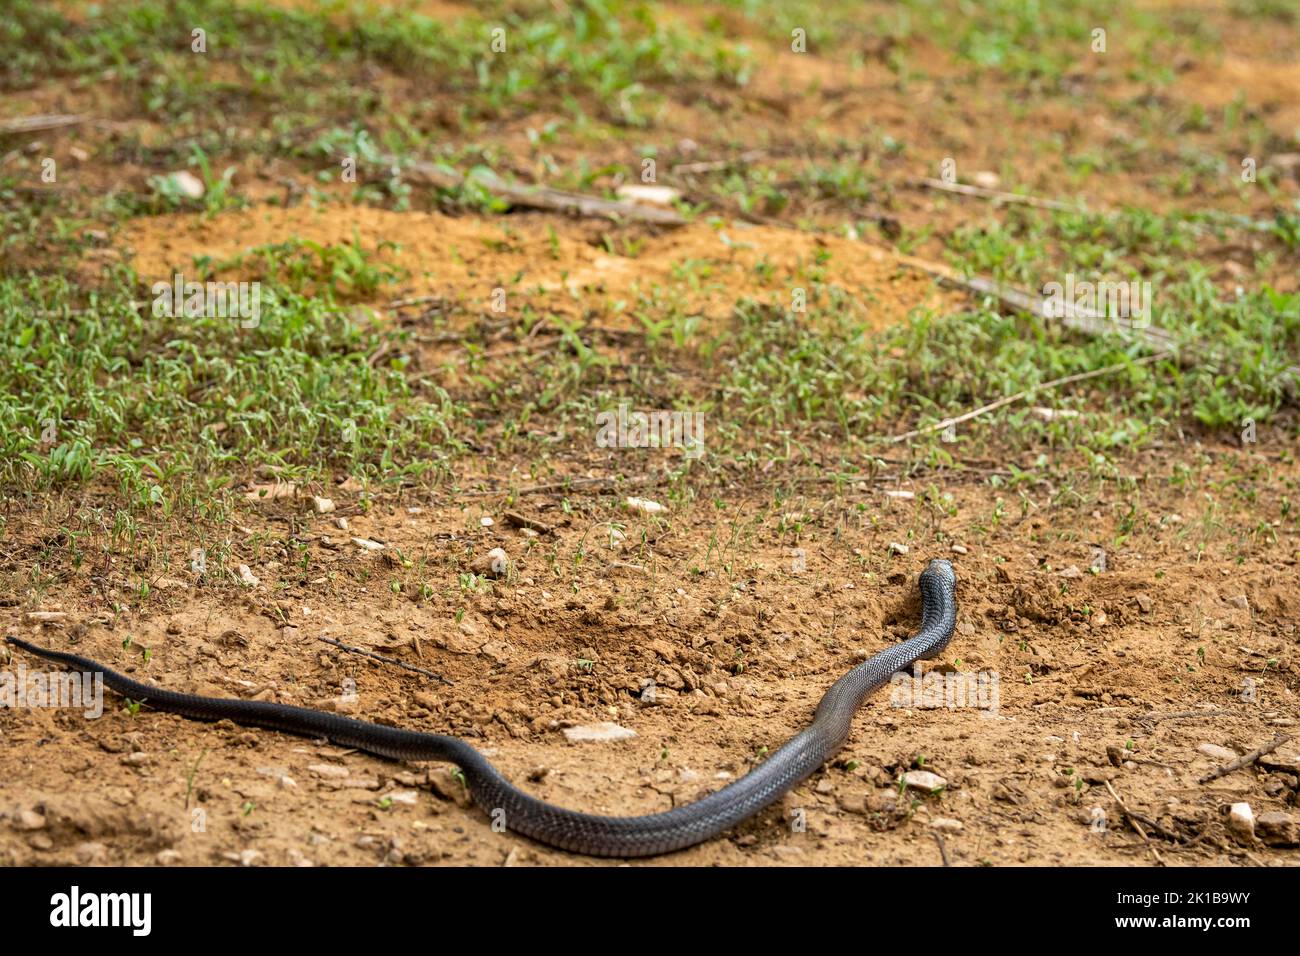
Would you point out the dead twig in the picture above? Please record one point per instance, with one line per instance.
(515, 519)
(711, 166)
(996, 195)
(1138, 821)
(38, 124)
(572, 483)
(1020, 396)
(1246, 759)
(541, 197)
(1085, 321)
(1153, 719)
(943, 849)
(383, 659)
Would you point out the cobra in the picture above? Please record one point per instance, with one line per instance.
(629, 836)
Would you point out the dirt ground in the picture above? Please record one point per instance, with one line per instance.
(1125, 672)
(1096, 675)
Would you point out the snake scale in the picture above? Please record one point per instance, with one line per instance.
(645, 835)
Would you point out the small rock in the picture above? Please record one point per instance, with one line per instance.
(654, 195)
(31, 820)
(900, 494)
(897, 548)
(605, 730)
(924, 780)
(644, 505)
(247, 577)
(406, 798)
(329, 770)
(1215, 752)
(958, 549)
(946, 823)
(367, 545)
(45, 617)
(486, 522)
(1278, 829)
(1071, 572)
(1241, 822)
(496, 563)
(186, 183)
(498, 651)
(986, 179)
(322, 506)
(167, 857)
(341, 523)
(90, 853)
(446, 786)
(852, 802)
(271, 492)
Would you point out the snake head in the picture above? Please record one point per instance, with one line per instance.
(939, 572)
(938, 603)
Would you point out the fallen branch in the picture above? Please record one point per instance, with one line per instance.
(943, 849)
(517, 520)
(38, 124)
(997, 195)
(1155, 718)
(384, 660)
(540, 197)
(561, 486)
(1138, 821)
(1246, 760)
(1020, 396)
(1074, 318)
(714, 165)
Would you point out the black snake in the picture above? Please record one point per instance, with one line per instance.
(645, 835)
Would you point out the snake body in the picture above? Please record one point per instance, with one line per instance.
(645, 835)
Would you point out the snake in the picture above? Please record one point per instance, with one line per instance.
(585, 833)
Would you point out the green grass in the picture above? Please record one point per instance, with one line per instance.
(162, 409)
(95, 387)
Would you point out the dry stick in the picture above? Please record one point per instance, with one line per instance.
(996, 195)
(515, 519)
(1137, 819)
(1178, 714)
(710, 166)
(38, 124)
(559, 486)
(943, 850)
(384, 660)
(1054, 383)
(1074, 318)
(1246, 760)
(541, 197)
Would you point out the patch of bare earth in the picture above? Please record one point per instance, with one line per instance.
(741, 624)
